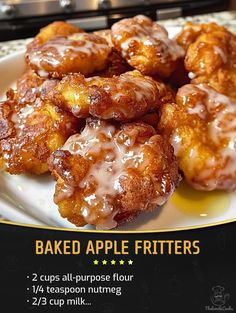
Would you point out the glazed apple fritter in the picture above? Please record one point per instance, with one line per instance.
(191, 32)
(110, 173)
(146, 46)
(121, 98)
(31, 128)
(79, 52)
(211, 56)
(202, 129)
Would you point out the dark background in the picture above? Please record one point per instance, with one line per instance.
(162, 283)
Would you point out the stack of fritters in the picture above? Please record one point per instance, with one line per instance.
(100, 112)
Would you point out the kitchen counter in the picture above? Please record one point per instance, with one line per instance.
(226, 18)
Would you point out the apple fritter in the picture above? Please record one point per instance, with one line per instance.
(122, 98)
(191, 32)
(210, 56)
(212, 60)
(146, 46)
(110, 173)
(79, 52)
(30, 132)
(202, 130)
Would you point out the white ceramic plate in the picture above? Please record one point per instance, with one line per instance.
(29, 199)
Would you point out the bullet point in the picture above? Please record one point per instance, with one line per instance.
(27, 288)
(27, 276)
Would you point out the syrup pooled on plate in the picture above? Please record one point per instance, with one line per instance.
(200, 203)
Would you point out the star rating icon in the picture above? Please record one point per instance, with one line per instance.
(113, 262)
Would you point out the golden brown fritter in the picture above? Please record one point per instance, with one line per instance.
(210, 56)
(121, 98)
(191, 32)
(146, 46)
(212, 59)
(110, 173)
(202, 130)
(80, 52)
(30, 132)
(53, 30)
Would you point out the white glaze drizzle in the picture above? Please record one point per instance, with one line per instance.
(144, 89)
(96, 139)
(118, 157)
(191, 75)
(220, 52)
(176, 142)
(19, 118)
(222, 131)
(150, 34)
(198, 109)
(75, 45)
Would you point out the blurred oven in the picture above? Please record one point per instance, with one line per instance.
(23, 18)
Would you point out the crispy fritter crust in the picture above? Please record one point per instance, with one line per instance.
(191, 32)
(121, 98)
(210, 56)
(110, 173)
(80, 52)
(29, 87)
(53, 30)
(146, 46)
(212, 59)
(202, 129)
(30, 132)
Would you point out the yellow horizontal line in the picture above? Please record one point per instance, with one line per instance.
(119, 231)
